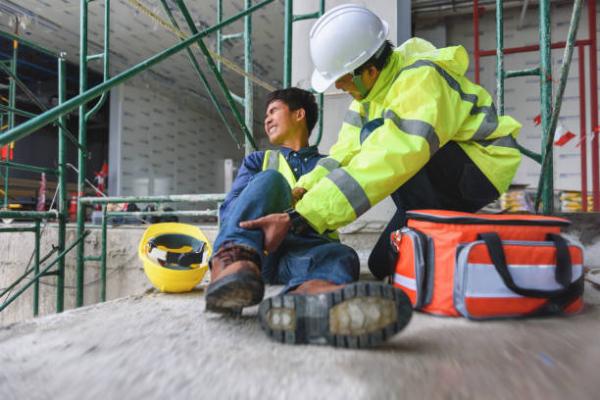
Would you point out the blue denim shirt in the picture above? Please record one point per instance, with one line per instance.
(301, 162)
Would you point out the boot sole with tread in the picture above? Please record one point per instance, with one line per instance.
(362, 314)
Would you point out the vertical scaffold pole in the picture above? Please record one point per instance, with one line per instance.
(81, 155)
(546, 103)
(500, 56)
(103, 256)
(248, 86)
(62, 185)
(287, 47)
(36, 269)
(219, 34)
(12, 103)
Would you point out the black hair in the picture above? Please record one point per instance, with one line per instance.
(379, 59)
(296, 98)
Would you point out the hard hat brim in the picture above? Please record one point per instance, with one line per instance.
(319, 83)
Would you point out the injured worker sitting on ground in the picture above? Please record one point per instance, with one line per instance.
(417, 130)
(321, 302)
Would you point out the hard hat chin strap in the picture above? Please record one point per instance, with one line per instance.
(357, 80)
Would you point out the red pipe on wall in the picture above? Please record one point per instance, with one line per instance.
(533, 47)
(582, 128)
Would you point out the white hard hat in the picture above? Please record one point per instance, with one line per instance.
(343, 39)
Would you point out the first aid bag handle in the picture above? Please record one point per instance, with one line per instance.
(564, 270)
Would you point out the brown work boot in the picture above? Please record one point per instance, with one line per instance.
(361, 314)
(235, 280)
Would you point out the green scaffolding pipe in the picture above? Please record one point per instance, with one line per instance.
(103, 256)
(500, 56)
(27, 272)
(200, 213)
(219, 34)
(546, 181)
(12, 103)
(175, 198)
(17, 229)
(105, 56)
(17, 111)
(27, 167)
(41, 106)
(303, 17)
(44, 119)
(287, 42)
(212, 65)
(81, 159)
(62, 185)
(546, 175)
(249, 145)
(203, 78)
(522, 72)
(43, 271)
(28, 43)
(290, 18)
(36, 270)
(28, 214)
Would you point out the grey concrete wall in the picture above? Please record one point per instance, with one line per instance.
(125, 274)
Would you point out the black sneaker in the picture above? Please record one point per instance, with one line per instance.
(362, 314)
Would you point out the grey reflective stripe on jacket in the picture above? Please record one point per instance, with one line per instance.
(490, 119)
(328, 163)
(504, 141)
(416, 127)
(353, 118)
(351, 189)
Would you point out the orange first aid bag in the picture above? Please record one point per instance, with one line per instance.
(488, 266)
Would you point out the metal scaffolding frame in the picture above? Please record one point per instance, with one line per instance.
(549, 111)
(86, 95)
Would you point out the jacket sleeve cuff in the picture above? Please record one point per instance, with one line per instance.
(309, 180)
(313, 218)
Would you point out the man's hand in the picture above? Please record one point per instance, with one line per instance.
(274, 227)
(297, 194)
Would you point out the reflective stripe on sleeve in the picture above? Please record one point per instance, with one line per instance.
(351, 189)
(417, 128)
(504, 141)
(353, 118)
(490, 119)
(328, 163)
(273, 162)
(489, 123)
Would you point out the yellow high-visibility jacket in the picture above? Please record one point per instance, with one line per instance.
(425, 101)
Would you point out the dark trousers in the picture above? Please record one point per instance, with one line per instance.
(449, 181)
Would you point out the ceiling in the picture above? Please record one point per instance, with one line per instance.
(134, 37)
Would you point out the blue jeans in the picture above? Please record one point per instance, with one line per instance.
(299, 258)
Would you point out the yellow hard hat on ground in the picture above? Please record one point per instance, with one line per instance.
(175, 256)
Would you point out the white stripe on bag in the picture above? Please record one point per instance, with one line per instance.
(482, 280)
(406, 282)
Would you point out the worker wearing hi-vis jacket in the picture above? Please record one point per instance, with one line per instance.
(417, 130)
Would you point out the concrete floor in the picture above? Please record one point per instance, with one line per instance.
(158, 346)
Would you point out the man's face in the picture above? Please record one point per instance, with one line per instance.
(345, 83)
(280, 123)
